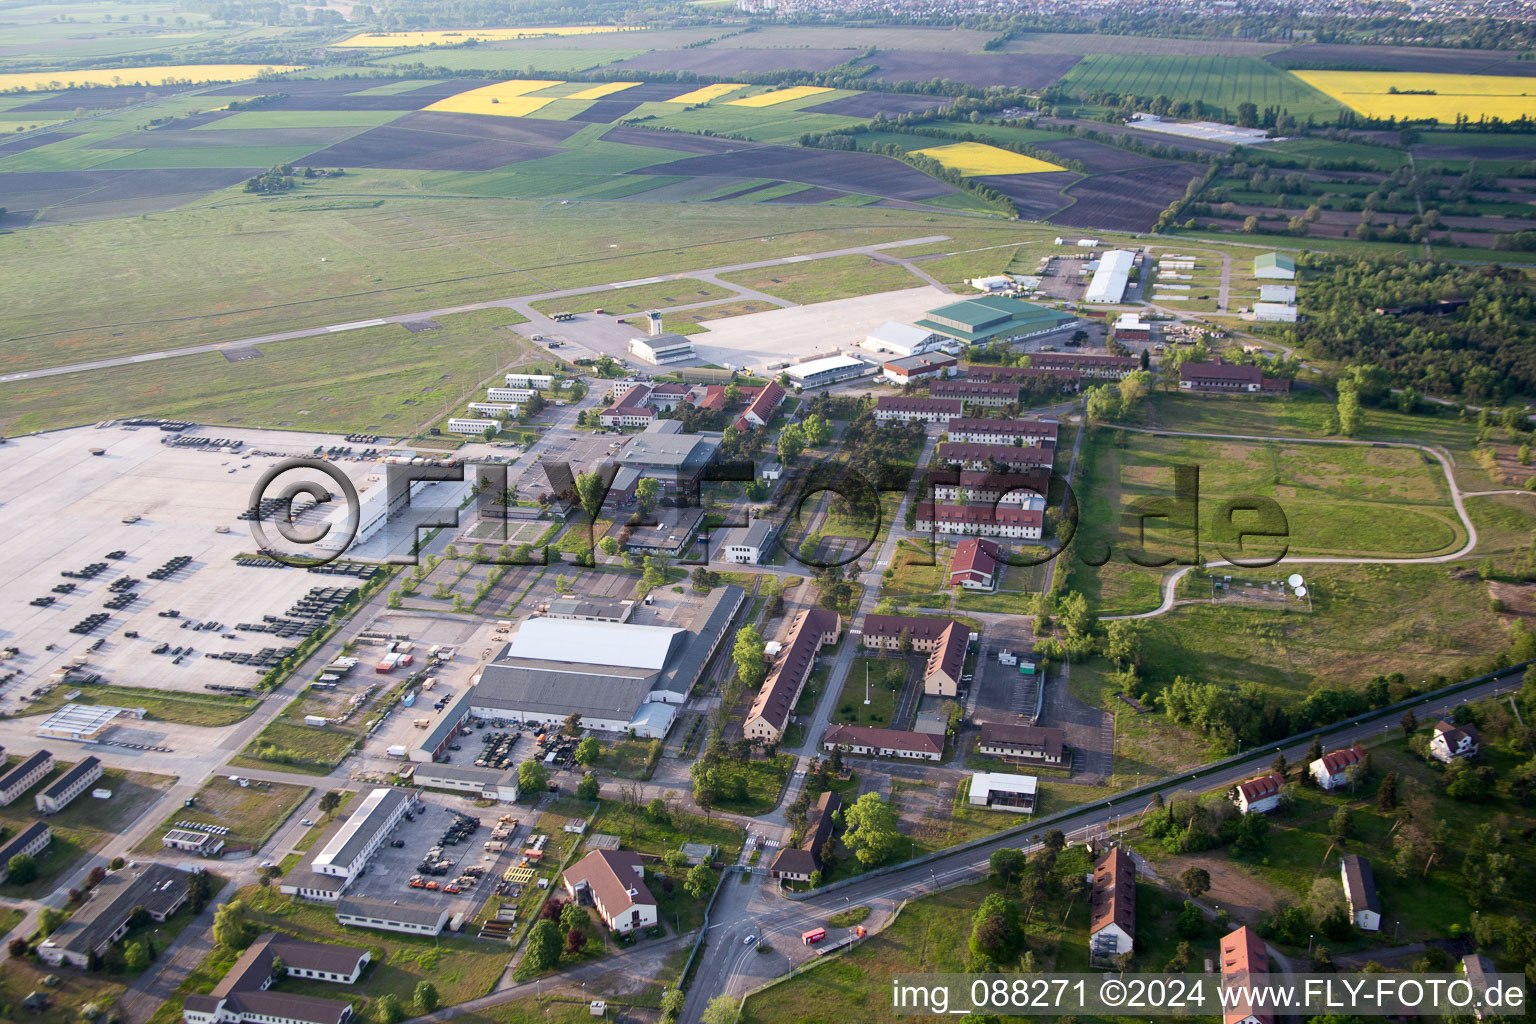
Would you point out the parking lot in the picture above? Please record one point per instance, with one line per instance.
(397, 862)
(140, 510)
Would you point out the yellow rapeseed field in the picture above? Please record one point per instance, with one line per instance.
(504, 99)
(708, 93)
(174, 74)
(975, 158)
(597, 92)
(1474, 96)
(452, 37)
(777, 96)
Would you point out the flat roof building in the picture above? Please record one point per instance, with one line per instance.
(1112, 277)
(1274, 312)
(817, 373)
(914, 368)
(189, 840)
(617, 676)
(673, 458)
(1004, 792)
(466, 426)
(903, 339)
(591, 609)
(348, 851)
(83, 722)
(1277, 293)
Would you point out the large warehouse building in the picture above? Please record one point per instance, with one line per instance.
(817, 373)
(988, 317)
(1113, 276)
(617, 675)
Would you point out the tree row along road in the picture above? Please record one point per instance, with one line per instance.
(1171, 582)
(723, 969)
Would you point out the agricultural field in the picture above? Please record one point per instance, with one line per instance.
(454, 37)
(174, 74)
(1435, 97)
(1220, 83)
(495, 59)
(974, 159)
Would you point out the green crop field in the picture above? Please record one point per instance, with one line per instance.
(1219, 81)
(487, 58)
(780, 123)
(222, 156)
(301, 119)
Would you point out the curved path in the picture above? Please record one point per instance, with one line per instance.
(1171, 582)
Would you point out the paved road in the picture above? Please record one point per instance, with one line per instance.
(1171, 582)
(757, 909)
(522, 304)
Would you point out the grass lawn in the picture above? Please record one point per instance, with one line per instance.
(251, 814)
(839, 277)
(764, 782)
(10, 917)
(354, 380)
(638, 298)
(76, 988)
(1146, 744)
(638, 833)
(182, 707)
(625, 759)
(460, 968)
(931, 935)
(314, 832)
(84, 826)
(914, 571)
(1015, 591)
(290, 745)
(886, 676)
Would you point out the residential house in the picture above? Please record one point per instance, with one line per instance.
(63, 790)
(1244, 966)
(1332, 769)
(983, 394)
(1112, 920)
(613, 881)
(1260, 795)
(26, 774)
(1451, 742)
(974, 566)
(1360, 892)
(1018, 459)
(799, 863)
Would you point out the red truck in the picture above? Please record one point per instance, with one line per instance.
(813, 936)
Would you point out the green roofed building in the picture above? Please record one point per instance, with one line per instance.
(1274, 266)
(991, 316)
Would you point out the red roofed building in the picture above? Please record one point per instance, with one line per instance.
(871, 742)
(986, 394)
(762, 407)
(769, 715)
(974, 566)
(1112, 927)
(1244, 963)
(1016, 431)
(981, 456)
(981, 520)
(906, 408)
(1228, 378)
(982, 487)
(631, 410)
(614, 882)
(1260, 795)
(1331, 770)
